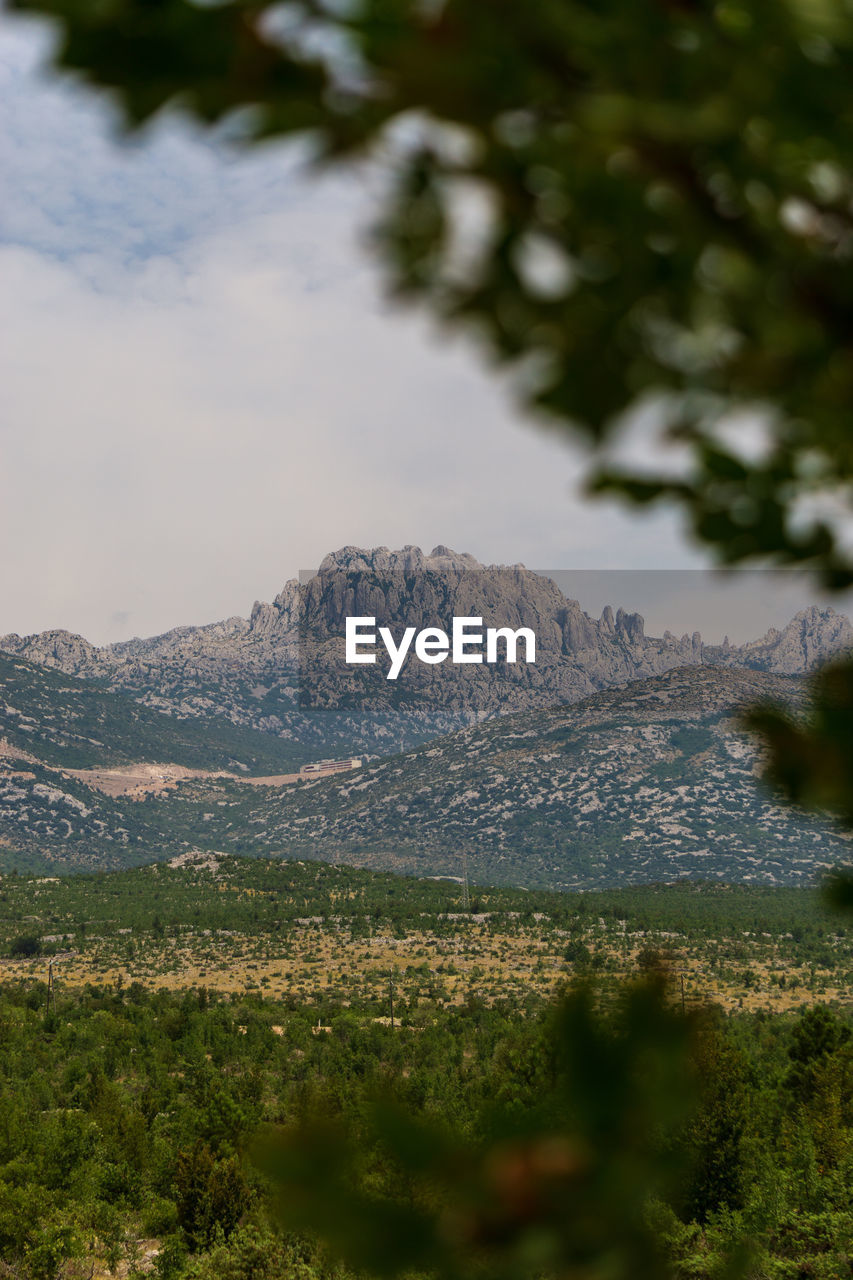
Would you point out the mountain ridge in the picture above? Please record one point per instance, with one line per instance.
(253, 670)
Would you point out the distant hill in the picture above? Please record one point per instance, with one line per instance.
(74, 723)
(650, 782)
(52, 723)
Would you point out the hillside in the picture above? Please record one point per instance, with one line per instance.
(54, 726)
(652, 782)
(62, 720)
(646, 783)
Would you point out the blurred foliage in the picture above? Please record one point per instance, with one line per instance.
(560, 1186)
(645, 211)
(811, 761)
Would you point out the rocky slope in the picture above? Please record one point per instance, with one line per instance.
(253, 670)
(75, 724)
(651, 782)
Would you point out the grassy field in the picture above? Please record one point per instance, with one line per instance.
(318, 933)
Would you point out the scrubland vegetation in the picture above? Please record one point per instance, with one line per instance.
(313, 932)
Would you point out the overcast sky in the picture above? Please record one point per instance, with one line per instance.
(202, 391)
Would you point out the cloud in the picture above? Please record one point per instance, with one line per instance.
(75, 188)
(202, 390)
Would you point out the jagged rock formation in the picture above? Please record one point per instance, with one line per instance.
(249, 669)
(810, 637)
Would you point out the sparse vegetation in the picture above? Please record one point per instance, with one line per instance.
(309, 931)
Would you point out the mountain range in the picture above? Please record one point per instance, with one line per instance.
(653, 781)
(616, 758)
(256, 671)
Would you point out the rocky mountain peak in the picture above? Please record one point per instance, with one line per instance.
(812, 635)
(631, 626)
(63, 649)
(408, 559)
(251, 669)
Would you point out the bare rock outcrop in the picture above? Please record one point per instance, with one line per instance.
(812, 635)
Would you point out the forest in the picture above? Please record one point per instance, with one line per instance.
(128, 1121)
(423, 1123)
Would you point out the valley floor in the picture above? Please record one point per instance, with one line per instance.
(310, 931)
(478, 961)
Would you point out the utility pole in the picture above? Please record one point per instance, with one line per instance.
(51, 989)
(683, 1006)
(466, 900)
(391, 996)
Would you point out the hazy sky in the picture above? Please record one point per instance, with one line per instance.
(202, 391)
(742, 604)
